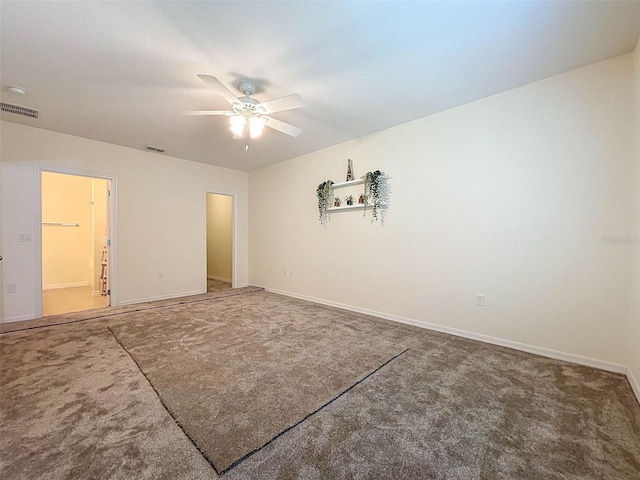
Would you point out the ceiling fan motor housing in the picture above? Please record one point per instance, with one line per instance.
(248, 105)
(247, 88)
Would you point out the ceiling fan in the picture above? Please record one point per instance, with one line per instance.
(247, 115)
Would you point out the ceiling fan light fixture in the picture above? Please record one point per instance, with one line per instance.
(237, 125)
(256, 125)
(248, 116)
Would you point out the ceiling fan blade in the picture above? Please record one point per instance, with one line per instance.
(210, 112)
(283, 127)
(287, 102)
(220, 88)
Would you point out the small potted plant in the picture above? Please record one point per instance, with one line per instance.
(336, 202)
(349, 199)
(324, 192)
(362, 199)
(375, 191)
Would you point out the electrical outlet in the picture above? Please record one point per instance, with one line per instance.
(24, 237)
(11, 288)
(480, 300)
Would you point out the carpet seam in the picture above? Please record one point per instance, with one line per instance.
(242, 459)
(185, 302)
(162, 401)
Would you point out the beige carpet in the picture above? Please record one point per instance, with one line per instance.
(237, 377)
(217, 285)
(98, 313)
(74, 404)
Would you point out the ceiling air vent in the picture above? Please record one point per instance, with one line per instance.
(151, 148)
(18, 110)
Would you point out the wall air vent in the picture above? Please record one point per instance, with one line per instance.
(18, 110)
(151, 148)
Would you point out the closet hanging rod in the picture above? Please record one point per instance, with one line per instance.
(59, 224)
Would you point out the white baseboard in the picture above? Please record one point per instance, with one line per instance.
(213, 277)
(18, 318)
(162, 297)
(65, 285)
(545, 352)
(633, 381)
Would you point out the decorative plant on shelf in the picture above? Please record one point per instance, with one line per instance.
(362, 199)
(349, 199)
(324, 193)
(374, 190)
(336, 202)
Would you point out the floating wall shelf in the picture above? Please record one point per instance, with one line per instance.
(348, 184)
(356, 193)
(358, 206)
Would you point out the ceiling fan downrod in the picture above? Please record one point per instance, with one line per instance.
(247, 88)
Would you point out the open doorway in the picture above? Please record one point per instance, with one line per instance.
(75, 256)
(219, 242)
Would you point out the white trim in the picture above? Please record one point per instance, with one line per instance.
(53, 286)
(213, 277)
(234, 238)
(545, 352)
(635, 386)
(18, 318)
(161, 297)
(37, 240)
(111, 212)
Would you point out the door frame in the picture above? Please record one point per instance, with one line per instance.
(234, 249)
(111, 222)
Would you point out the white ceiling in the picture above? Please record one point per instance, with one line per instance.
(125, 72)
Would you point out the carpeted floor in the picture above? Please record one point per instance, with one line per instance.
(216, 292)
(75, 404)
(248, 370)
(217, 285)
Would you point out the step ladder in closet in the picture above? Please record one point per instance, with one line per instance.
(103, 273)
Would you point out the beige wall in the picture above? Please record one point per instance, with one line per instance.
(634, 232)
(509, 197)
(67, 252)
(219, 236)
(160, 215)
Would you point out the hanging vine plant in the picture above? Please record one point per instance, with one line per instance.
(374, 191)
(325, 195)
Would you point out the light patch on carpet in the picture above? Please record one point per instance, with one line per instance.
(236, 375)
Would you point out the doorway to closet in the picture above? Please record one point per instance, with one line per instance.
(75, 251)
(219, 242)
